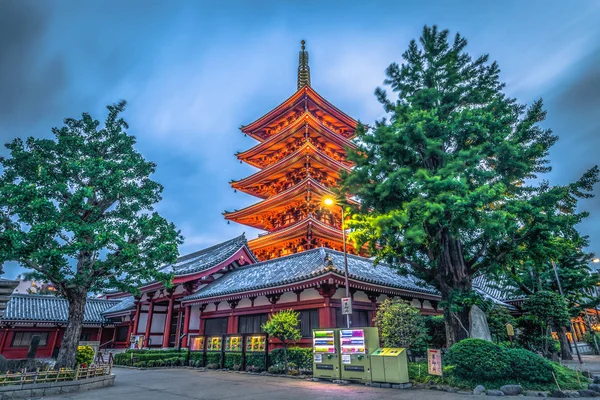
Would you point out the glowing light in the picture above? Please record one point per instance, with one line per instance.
(596, 260)
(328, 201)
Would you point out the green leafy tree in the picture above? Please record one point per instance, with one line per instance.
(283, 325)
(401, 325)
(531, 271)
(497, 318)
(78, 211)
(548, 310)
(445, 183)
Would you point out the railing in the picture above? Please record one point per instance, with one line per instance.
(64, 374)
(104, 344)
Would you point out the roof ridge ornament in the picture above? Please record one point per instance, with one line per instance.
(303, 68)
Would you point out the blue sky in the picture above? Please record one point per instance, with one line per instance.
(193, 72)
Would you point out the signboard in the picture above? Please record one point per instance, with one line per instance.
(510, 330)
(137, 342)
(318, 358)
(346, 306)
(346, 359)
(434, 362)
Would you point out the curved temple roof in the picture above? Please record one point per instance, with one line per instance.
(49, 308)
(307, 265)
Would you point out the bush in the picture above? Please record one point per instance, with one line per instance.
(478, 359)
(276, 369)
(213, 358)
(401, 325)
(525, 365)
(257, 361)
(85, 355)
(141, 364)
(302, 357)
(233, 359)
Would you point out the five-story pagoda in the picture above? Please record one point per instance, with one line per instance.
(301, 151)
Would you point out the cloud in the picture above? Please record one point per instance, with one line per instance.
(30, 80)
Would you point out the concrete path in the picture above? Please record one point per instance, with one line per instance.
(179, 384)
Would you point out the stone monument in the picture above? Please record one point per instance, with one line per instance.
(478, 324)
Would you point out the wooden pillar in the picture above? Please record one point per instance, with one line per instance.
(54, 340)
(232, 321)
(4, 337)
(136, 319)
(167, 330)
(326, 313)
(149, 323)
(187, 311)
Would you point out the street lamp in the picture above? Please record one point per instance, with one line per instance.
(329, 202)
(596, 260)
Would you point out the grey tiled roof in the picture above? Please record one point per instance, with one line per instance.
(35, 307)
(124, 304)
(305, 265)
(207, 258)
(498, 289)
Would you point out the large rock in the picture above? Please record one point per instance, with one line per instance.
(478, 325)
(594, 386)
(479, 390)
(511, 390)
(588, 393)
(3, 364)
(495, 393)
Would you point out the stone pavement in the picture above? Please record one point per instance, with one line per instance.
(166, 384)
(590, 363)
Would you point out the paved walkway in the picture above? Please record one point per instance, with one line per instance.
(179, 384)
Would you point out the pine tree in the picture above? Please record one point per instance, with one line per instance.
(78, 212)
(445, 184)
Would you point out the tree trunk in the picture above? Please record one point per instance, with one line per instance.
(454, 279)
(70, 341)
(565, 349)
(285, 357)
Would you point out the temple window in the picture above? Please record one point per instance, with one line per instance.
(23, 339)
(252, 323)
(309, 320)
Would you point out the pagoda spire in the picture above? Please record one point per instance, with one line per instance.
(303, 68)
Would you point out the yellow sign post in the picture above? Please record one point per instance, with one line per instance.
(510, 331)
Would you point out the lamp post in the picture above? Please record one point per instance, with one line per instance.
(329, 201)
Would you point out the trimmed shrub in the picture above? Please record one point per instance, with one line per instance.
(213, 358)
(257, 361)
(300, 356)
(525, 365)
(233, 359)
(478, 359)
(85, 355)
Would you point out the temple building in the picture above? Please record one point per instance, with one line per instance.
(234, 286)
(301, 151)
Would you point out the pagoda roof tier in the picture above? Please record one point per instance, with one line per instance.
(310, 225)
(305, 99)
(308, 192)
(260, 155)
(272, 179)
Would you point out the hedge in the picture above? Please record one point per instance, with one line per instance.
(302, 357)
(233, 361)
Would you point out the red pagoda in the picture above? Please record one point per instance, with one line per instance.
(301, 151)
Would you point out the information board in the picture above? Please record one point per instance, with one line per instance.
(214, 343)
(256, 344)
(233, 343)
(346, 306)
(352, 341)
(434, 362)
(196, 343)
